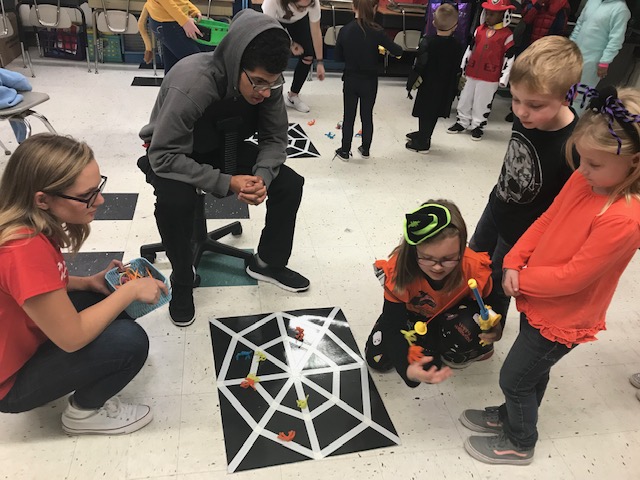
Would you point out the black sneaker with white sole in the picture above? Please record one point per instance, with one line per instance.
(456, 128)
(363, 153)
(412, 135)
(283, 277)
(181, 307)
(476, 134)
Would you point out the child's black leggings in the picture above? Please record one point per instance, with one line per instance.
(364, 89)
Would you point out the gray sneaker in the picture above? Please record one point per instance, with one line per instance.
(482, 421)
(497, 450)
(635, 380)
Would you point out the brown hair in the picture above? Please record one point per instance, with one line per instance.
(407, 268)
(43, 162)
(593, 131)
(445, 17)
(288, 13)
(366, 13)
(549, 66)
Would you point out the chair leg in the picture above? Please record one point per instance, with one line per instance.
(43, 119)
(149, 251)
(27, 58)
(6, 150)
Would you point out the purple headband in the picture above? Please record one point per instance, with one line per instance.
(606, 102)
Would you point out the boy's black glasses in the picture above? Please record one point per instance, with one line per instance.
(261, 87)
(91, 199)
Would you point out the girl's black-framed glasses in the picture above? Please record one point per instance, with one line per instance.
(91, 199)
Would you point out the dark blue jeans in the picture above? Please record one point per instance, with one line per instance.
(96, 372)
(487, 239)
(175, 43)
(523, 379)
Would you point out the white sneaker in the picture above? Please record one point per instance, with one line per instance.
(635, 380)
(295, 102)
(113, 418)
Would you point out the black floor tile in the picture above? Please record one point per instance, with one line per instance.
(88, 263)
(227, 207)
(117, 206)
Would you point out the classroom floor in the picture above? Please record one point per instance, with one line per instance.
(351, 214)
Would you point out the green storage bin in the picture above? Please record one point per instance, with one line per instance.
(213, 31)
(109, 48)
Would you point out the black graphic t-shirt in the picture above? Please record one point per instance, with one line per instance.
(533, 173)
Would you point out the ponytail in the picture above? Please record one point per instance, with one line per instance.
(365, 10)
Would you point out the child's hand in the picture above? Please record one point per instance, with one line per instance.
(416, 373)
(191, 30)
(493, 335)
(511, 282)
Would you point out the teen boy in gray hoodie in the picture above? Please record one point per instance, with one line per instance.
(236, 88)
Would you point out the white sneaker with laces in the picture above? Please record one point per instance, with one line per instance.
(115, 417)
(295, 102)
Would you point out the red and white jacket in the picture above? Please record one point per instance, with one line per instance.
(486, 59)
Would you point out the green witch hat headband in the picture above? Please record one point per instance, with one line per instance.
(425, 222)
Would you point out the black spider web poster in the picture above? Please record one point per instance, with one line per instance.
(299, 144)
(293, 387)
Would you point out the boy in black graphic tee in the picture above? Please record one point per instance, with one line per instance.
(535, 168)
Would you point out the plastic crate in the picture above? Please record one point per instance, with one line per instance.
(138, 309)
(67, 43)
(213, 31)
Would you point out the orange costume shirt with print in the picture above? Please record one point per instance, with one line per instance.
(571, 259)
(421, 298)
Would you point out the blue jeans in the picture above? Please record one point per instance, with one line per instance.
(96, 372)
(175, 43)
(523, 379)
(487, 239)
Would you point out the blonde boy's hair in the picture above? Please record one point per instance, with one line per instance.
(549, 66)
(445, 17)
(593, 132)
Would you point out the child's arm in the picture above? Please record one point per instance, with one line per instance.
(394, 319)
(519, 255)
(618, 28)
(392, 47)
(610, 239)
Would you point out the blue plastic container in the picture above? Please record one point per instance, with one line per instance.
(138, 309)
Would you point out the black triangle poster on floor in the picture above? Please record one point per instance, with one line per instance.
(293, 387)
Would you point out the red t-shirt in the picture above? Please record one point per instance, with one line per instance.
(28, 267)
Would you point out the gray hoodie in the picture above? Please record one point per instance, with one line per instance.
(195, 83)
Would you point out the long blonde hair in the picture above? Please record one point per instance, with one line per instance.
(407, 268)
(593, 131)
(42, 163)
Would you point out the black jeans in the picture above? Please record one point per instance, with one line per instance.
(175, 211)
(523, 379)
(96, 372)
(300, 32)
(364, 89)
(487, 239)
